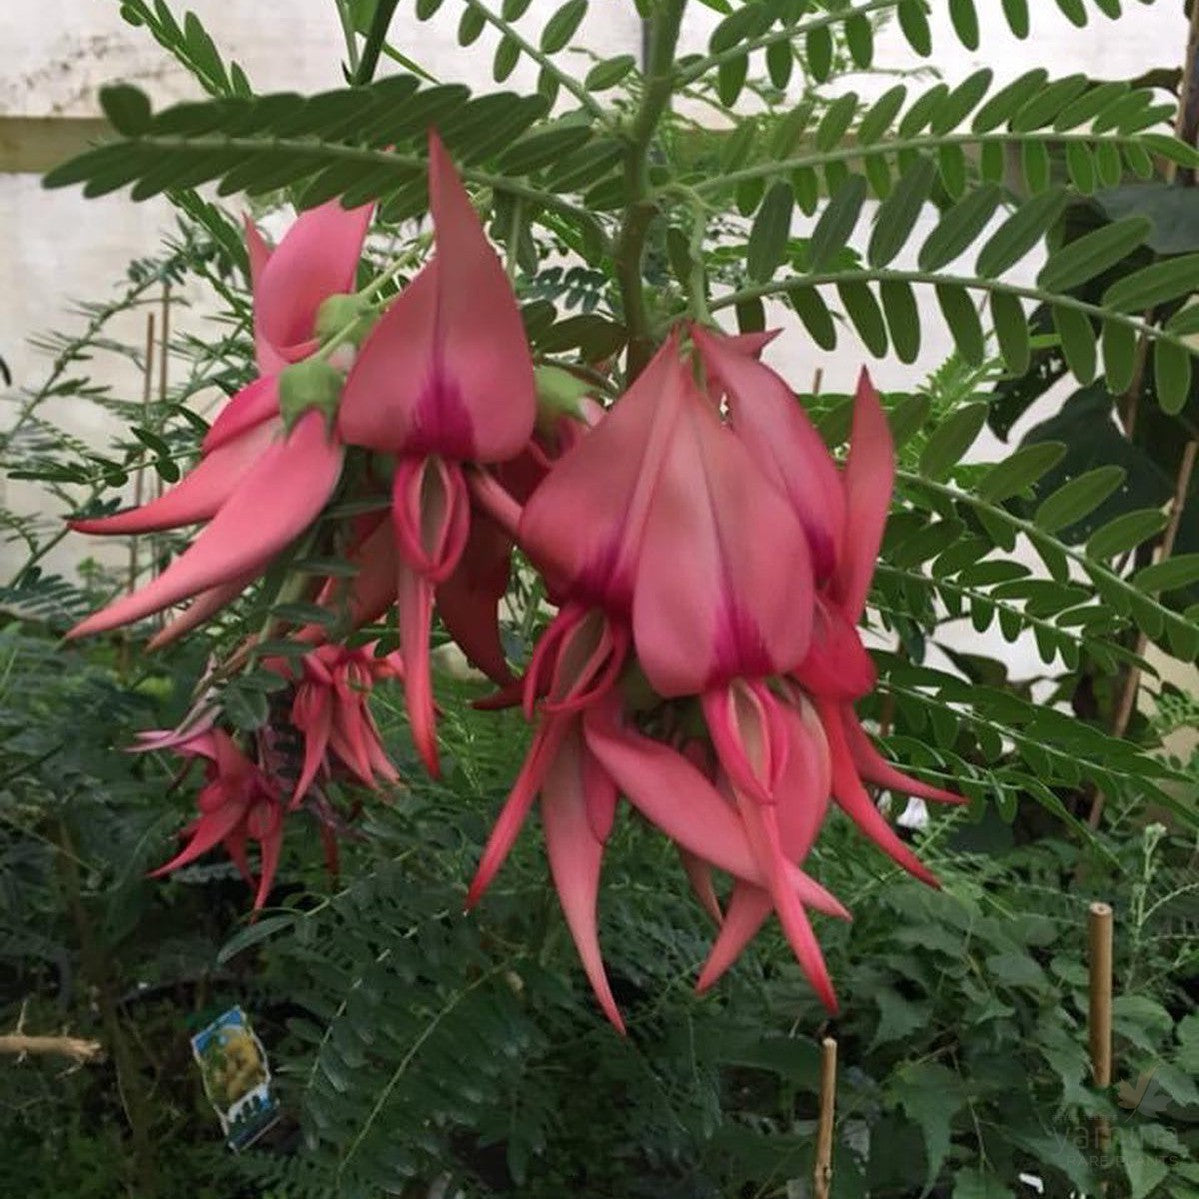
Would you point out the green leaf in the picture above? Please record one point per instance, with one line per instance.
(806, 185)
(951, 163)
(1092, 254)
(903, 318)
(127, 108)
(1020, 233)
(252, 934)
(1125, 533)
(751, 316)
(913, 23)
(1078, 498)
(819, 53)
(867, 317)
(1119, 356)
(923, 111)
(562, 26)
(879, 116)
(543, 146)
(1019, 471)
(1016, 12)
(958, 229)
(1077, 340)
(931, 1095)
(951, 439)
(246, 708)
(1034, 165)
(470, 25)
(730, 79)
(961, 101)
(1046, 103)
(513, 10)
(899, 212)
(837, 222)
(507, 55)
(965, 22)
(768, 239)
(964, 326)
(780, 61)
(907, 418)
(859, 39)
(1009, 100)
(1153, 285)
(1011, 332)
(745, 22)
(1080, 165)
(1171, 375)
(811, 309)
(972, 1183)
(836, 121)
(1074, 11)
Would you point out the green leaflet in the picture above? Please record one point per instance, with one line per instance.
(1119, 356)
(836, 224)
(127, 108)
(1019, 471)
(878, 117)
(1077, 341)
(1020, 232)
(914, 25)
(1011, 332)
(867, 317)
(898, 213)
(1078, 498)
(959, 228)
(1172, 374)
(730, 79)
(819, 53)
(964, 17)
(1047, 102)
(1016, 12)
(962, 318)
(768, 239)
(859, 39)
(562, 26)
(836, 121)
(1179, 571)
(951, 439)
(609, 73)
(1125, 533)
(903, 317)
(1009, 100)
(811, 309)
(1154, 284)
(961, 101)
(780, 61)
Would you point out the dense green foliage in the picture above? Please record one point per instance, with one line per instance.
(416, 1046)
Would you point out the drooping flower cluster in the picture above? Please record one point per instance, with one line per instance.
(709, 562)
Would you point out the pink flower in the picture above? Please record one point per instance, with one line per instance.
(445, 379)
(331, 710)
(257, 484)
(237, 804)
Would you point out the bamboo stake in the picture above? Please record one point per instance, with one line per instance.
(73, 1047)
(1100, 1013)
(822, 1174)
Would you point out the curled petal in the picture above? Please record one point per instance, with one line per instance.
(206, 605)
(869, 479)
(699, 875)
(874, 768)
(207, 832)
(415, 598)
(575, 856)
(277, 499)
(312, 714)
(255, 403)
(747, 911)
(198, 496)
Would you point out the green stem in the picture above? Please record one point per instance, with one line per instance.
(786, 34)
(544, 61)
(698, 282)
(783, 166)
(1096, 311)
(375, 38)
(640, 210)
(350, 34)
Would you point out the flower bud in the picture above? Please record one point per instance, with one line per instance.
(342, 310)
(313, 383)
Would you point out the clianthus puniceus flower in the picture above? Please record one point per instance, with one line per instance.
(709, 561)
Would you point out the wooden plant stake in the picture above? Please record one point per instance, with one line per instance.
(822, 1174)
(1100, 1014)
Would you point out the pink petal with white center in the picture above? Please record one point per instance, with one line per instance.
(447, 369)
(575, 856)
(771, 422)
(584, 525)
(317, 258)
(278, 498)
(198, 496)
(737, 600)
(869, 479)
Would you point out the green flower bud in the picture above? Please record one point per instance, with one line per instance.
(343, 309)
(313, 383)
(558, 394)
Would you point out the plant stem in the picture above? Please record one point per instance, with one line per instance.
(350, 34)
(375, 38)
(640, 210)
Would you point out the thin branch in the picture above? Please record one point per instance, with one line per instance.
(73, 1047)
